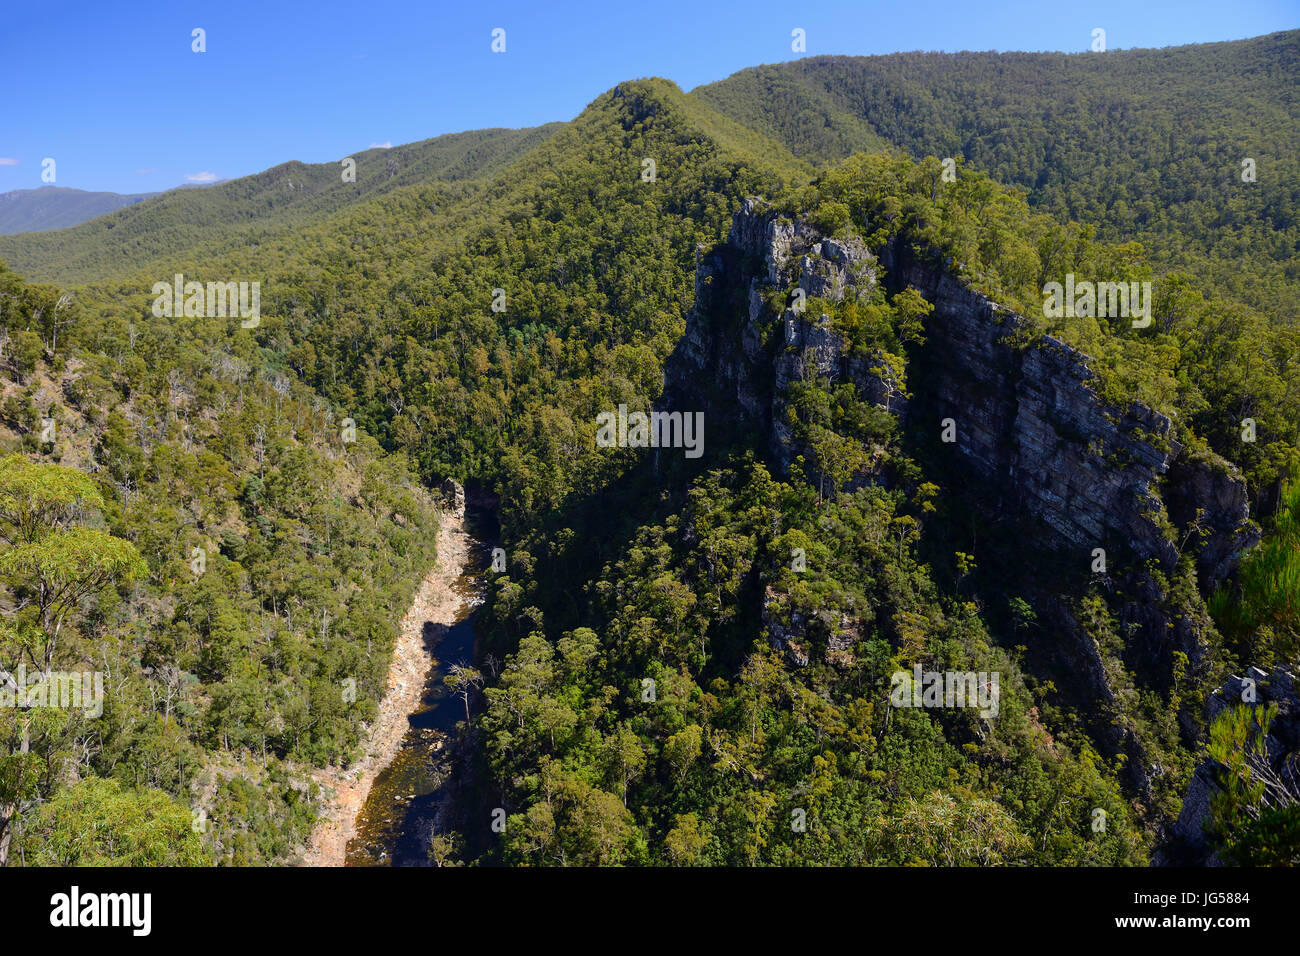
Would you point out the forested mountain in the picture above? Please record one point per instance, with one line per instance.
(1144, 145)
(662, 681)
(56, 207)
(248, 211)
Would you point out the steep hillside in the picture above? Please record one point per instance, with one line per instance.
(386, 307)
(277, 547)
(202, 435)
(829, 539)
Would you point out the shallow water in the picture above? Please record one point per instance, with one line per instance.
(395, 823)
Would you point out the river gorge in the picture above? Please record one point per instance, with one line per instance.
(385, 805)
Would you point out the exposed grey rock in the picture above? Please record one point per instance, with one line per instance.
(453, 497)
(1200, 487)
(1030, 421)
(795, 639)
(1032, 428)
(1035, 436)
(791, 639)
(751, 353)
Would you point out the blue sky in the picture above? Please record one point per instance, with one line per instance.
(114, 94)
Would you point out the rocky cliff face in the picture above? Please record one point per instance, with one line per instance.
(741, 351)
(453, 497)
(1029, 423)
(1032, 433)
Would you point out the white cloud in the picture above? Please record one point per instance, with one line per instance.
(385, 145)
(6, 161)
(203, 177)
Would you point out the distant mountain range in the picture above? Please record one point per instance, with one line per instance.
(1145, 145)
(58, 207)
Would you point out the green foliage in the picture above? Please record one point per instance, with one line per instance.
(1147, 145)
(264, 207)
(97, 823)
(1254, 819)
(37, 500)
(232, 563)
(257, 822)
(1261, 611)
(940, 830)
(664, 687)
(735, 740)
(1207, 361)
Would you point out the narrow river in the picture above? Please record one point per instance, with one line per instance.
(396, 822)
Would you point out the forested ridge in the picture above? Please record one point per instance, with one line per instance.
(470, 305)
(1144, 145)
(52, 207)
(247, 212)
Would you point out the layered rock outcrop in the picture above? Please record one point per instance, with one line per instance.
(747, 337)
(1035, 443)
(1029, 422)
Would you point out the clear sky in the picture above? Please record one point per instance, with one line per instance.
(111, 90)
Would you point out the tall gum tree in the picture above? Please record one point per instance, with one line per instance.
(50, 564)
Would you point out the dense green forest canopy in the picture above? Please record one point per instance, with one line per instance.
(246, 212)
(1144, 145)
(271, 560)
(378, 306)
